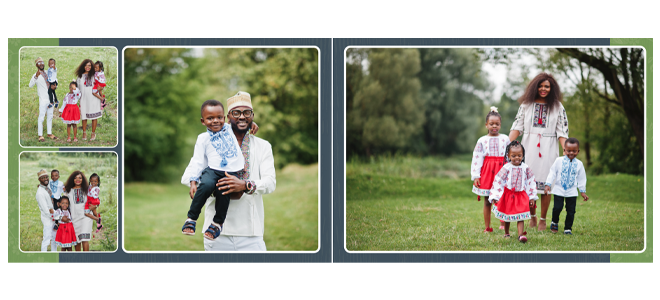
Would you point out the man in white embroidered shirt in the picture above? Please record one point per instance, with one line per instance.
(45, 204)
(41, 80)
(243, 229)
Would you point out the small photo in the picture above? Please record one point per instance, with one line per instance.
(68, 96)
(221, 149)
(495, 149)
(68, 201)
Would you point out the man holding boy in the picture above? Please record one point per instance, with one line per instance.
(41, 80)
(243, 229)
(46, 207)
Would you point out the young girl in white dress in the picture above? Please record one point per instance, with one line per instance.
(99, 82)
(66, 235)
(514, 191)
(487, 160)
(70, 111)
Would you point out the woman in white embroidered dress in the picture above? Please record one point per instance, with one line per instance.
(543, 122)
(76, 187)
(90, 106)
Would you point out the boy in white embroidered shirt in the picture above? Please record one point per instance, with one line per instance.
(568, 172)
(217, 155)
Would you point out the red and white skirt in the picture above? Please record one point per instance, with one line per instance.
(490, 168)
(512, 206)
(66, 235)
(71, 114)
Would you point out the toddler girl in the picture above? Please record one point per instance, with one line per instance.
(99, 82)
(70, 111)
(514, 190)
(487, 160)
(66, 235)
(93, 200)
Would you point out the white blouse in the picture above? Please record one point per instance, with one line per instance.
(71, 99)
(59, 213)
(487, 146)
(515, 178)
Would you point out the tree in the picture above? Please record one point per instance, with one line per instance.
(451, 86)
(387, 109)
(623, 69)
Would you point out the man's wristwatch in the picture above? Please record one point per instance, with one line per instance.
(248, 185)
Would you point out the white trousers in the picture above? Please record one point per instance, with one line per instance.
(43, 112)
(235, 243)
(49, 235)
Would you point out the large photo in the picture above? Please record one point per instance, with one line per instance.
(68, 96)
(221, 149)
(495, 149)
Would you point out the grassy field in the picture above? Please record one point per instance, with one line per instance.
(154, 214)
(67, 60)
(412, 204)
(66, 163)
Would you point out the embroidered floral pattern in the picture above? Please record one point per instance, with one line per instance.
(493, 146)
(568, 172)
(79, 196)
(516, 179)
(245, 149)
(540, 118)
(223, 143)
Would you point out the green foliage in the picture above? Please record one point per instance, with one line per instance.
(104, 164)
(67, 60)
(452, 85)
(393, 211)
(386, 108)
(166, 87)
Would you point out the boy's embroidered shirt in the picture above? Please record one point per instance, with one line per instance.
(52, 74)
(487, 146)
(516, 178)
(94, 192)
(56, 188)
(70, 99)
(217, 150)
(59, 213)
(566, 177)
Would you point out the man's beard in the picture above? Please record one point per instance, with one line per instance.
(234, 127)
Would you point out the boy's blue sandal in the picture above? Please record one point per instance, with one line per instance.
(568, 231)
(554, 227)
(214, 231)
(189, 224)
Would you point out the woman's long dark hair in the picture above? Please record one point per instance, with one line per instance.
(532, 91)
(511, 145)
(70, 184)
(81, 70)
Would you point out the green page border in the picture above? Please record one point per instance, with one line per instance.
(647, 255)
(14, 254)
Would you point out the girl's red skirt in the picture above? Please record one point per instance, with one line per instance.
(512, 206)
(66, 236)
(490, 168)
(71, 114)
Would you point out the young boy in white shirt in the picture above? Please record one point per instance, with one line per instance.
(566, 176)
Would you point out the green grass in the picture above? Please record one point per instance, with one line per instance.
(66, 163)
(387, 211)
(154, 214)
(67, 59)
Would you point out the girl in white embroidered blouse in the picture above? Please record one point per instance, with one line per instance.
(514, 191)
(66, 235)
(487, 160)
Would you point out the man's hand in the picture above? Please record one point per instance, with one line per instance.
(231, 184)
(193, 189)
(66, 219)
(36, 75)
(477, 182)
(584, 195)
(51, 210)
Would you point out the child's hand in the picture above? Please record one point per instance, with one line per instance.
(584, 195)
(495, 201)
(51, 211)
(254, 128)
(531, 204)
(193, 189)
(66, 219)
(477, 182)
(546, 190)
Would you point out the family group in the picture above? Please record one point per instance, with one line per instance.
(87, 89)
(510, 174)
(68, 209)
